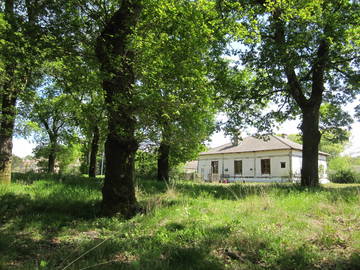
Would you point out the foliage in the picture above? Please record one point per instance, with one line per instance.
(49, 114)
(184, 226)
(334, 149)
(49, 117)
(330, 143)
(345, 176)
(340, 163)
(67, 159)
(332, 122)
(145, 164)
(176, 64)
(341, 170)
(304, 54)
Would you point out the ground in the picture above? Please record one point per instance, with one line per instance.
(54, 224)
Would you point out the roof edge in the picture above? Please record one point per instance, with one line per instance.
(267, 150)
(280, 140)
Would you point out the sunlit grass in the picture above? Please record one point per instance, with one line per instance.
(54, 224)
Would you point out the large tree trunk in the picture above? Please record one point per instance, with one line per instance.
(116, 61)
(8, 114)
(94, 151)
(311, 140)
(51, 162)
(163, 162)
(119, 191)
(52, 154)
(310, 106)
(7, 110)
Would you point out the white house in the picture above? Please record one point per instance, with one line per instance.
(275, 159)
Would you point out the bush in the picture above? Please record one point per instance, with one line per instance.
(345, 176)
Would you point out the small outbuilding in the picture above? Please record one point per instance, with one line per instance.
(272, 159)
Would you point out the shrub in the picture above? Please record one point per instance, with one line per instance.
(345, 176)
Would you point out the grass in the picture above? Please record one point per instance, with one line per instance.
(53, 224)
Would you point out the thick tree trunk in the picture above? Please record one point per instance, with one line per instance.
(310, 106)
(8, 114)
(116, 61)
(163, 162)
(93, 152)
(52, 154)
(51, 162)
(119, 191)
(311, 140)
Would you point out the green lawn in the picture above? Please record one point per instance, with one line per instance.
(53, 224)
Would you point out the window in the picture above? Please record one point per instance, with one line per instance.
(283, 165)
(265, 166)
(214, 167)
(238, 166)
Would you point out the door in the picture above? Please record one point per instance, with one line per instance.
(214, 167)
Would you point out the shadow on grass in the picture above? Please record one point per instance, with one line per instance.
(30, 225)
(171, 246)
(214, 249)
(47, 214)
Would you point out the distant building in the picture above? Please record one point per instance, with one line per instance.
(276, 159)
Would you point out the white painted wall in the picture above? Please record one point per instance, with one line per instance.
(251, 164)
(297, 165)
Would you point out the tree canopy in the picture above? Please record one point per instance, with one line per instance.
(299, 55)
(136, 72)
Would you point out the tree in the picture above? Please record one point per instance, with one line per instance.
(303, 53)
(177, 74)
(79, 77)
(17, 56)
(116, 59)
(51, 116)
(31, 31)
(67, 157)
(133, 55)
(182, 138)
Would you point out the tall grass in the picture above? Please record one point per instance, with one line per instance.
(54, 224)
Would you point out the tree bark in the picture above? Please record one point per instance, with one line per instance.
(52, 154)
(51, 162)
(310, 107)
(311, 139)
(163, 162)
(94, 151)
(8, 114)
(116, 62)
(8, 110)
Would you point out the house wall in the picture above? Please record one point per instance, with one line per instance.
(251, 165)
(297, 165)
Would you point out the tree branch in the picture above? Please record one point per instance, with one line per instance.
(293, 82)
(318, 68)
